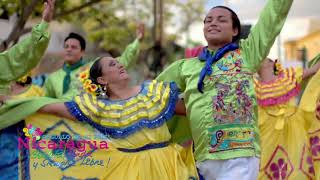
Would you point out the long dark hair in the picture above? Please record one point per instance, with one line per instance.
(235, 22)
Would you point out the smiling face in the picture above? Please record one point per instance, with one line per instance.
(112, 71)
(218, 26)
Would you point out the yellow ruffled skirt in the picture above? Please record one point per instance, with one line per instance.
(169, 163)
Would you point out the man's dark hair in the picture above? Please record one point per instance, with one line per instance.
(78, 37)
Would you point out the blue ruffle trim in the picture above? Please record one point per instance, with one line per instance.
(118, 133)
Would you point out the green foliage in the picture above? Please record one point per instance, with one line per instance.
(112, 25)
(10, 7)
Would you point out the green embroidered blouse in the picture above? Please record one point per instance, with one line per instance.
(223, 119)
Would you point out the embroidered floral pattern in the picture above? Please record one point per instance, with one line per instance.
(232, 62)
(236, 66)
(279, 166)
(310, 165)
(315, 143)
(306, 164)
(314, 140)
(279, 169)
(232, 103)
(232, 109)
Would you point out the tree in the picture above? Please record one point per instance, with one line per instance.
(111, 25)
(191, 11)
(30, 9)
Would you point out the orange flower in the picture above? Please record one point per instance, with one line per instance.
(84, 75)
(87, 83)
(93, 88)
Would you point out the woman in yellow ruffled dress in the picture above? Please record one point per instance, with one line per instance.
(286, 150)
(135, 120)
(24, 88)
(310, 102)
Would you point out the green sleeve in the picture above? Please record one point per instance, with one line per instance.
(130, 54)
(49, 89)
(179, 125)
(22, 57)
(262, 36)
(173, 73)
(16, 110)
(179, 129)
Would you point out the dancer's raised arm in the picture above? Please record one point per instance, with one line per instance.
(262, 36)
(25, 55)
(131, 53)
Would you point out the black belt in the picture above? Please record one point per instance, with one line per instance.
(146, 147)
